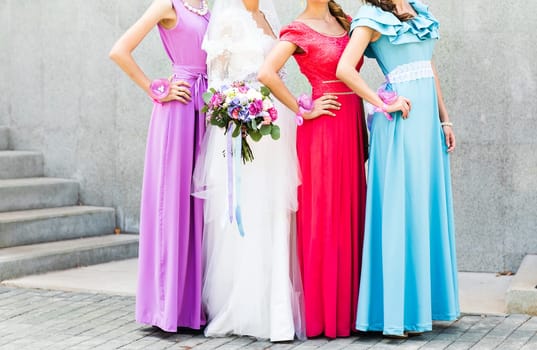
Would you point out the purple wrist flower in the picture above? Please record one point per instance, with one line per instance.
(159, 89)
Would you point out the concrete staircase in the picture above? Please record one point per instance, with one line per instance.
(41, 226)
(521, 297)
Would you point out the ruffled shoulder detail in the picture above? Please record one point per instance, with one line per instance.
(422, 27)
(373, 17)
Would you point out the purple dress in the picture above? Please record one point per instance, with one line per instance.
(171, 220)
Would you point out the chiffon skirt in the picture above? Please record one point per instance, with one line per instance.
(251, 284)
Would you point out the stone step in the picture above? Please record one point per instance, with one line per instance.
(521, 297)
(20, 164)
(36, 193)
(4, 138)
(44, 257)
(54, 224)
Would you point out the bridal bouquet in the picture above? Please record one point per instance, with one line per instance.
(250, 110)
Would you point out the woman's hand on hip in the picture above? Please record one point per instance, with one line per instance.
(324, 105)
(179, 91)
(402, 104)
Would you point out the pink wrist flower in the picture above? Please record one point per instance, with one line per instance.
(388, 97)
(305, 105)
(159, 89)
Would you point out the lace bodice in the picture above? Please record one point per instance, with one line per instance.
(319, 58)
(237, 50)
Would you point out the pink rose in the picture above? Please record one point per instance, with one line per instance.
(256, 107)
(273, 113)
(267, 120)
(235, 113)
(216, 100)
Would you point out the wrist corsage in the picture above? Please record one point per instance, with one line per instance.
(387, 97)
(305, 105)
(159, 89)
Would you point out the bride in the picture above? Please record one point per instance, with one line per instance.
(251, 279)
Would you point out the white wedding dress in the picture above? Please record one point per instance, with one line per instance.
(252, 282)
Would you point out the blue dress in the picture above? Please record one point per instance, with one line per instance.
(409, 269)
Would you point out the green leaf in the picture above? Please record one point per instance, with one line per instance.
(207, 97)
(265, 130)
(236, 131)
(265, 91)
(275, 133)
(254, 124)
(255, 135)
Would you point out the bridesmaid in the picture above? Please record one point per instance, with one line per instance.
(331, 149)
(169, 278)
(409, 271)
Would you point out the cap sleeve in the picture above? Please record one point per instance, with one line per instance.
(294, 33)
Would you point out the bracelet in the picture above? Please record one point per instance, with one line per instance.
(305, 105)
(159, 89)
(450, 124)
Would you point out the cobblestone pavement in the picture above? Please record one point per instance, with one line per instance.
(40, 319)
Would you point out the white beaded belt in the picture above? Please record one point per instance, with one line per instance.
(410, 71)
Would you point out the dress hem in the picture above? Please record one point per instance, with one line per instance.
(426, 327)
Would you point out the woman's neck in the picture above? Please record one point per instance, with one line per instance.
(400, 5)
(316, 11)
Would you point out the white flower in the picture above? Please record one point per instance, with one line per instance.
(253, 94)
(243, 98)
(267, 104)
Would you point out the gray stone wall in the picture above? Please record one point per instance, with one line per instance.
(61, 94)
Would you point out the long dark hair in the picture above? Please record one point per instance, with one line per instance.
(339, 14)
(389, 6)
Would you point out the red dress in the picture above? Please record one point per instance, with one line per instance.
(330, 218)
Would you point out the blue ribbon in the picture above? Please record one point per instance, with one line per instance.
(234, 178)
(230, 172)
(237, 158)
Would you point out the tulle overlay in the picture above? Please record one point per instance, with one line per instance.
(409, 271)
(251, 284)
(330, 218)
(171, 220)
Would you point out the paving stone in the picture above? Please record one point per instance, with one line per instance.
(337, 344)
(36, 319)
(284, 346)
(460, 345)
(239, 342)
(359, 346)
(436, 345)
(213, 343)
